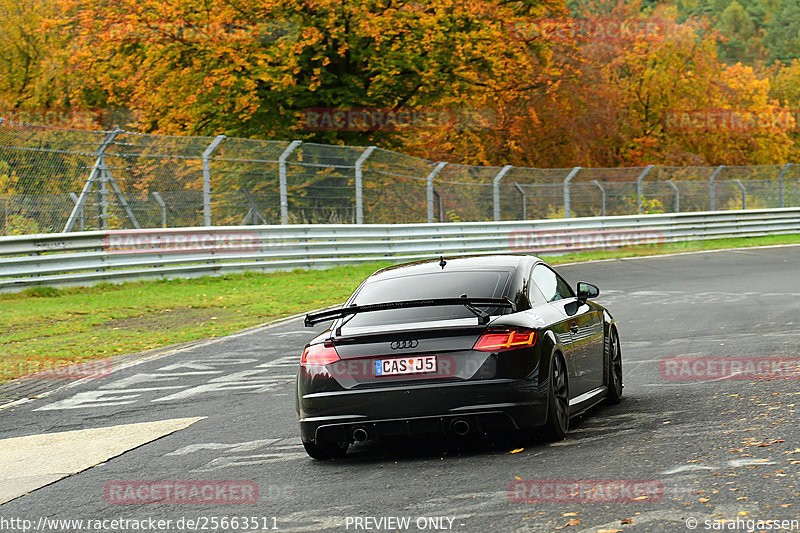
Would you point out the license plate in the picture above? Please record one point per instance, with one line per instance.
(405, 365)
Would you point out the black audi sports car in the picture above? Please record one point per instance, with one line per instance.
(456, 347)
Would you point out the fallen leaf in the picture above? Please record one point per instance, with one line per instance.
(570, 514)
(517, 450)
(703, 500)
(626, 521)
(573, 522)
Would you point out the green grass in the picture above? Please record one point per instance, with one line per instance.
(44, 327)
(676, 247)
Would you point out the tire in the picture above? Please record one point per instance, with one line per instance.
(614, 395)
(557, 424)
(323, 452)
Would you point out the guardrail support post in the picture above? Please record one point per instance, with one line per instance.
(568, 179)
(93, 175)
(602, 196)
(524, 200)
(712, 188)
(781, 175)
(282, 177)
(207, 179)
(496, 190)
(744, 192)
(435, 172)
(677, 206)
(359, 186)
(640, 187)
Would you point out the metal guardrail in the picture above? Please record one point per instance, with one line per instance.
(119, 255)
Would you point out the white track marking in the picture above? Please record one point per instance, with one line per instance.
(28, 463)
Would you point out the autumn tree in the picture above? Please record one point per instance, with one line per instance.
(251, 68)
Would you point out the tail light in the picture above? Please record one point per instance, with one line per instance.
(498, 340)
(320, 354)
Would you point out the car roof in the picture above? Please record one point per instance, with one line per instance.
(479, 262)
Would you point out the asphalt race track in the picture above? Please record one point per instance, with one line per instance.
(709, 448)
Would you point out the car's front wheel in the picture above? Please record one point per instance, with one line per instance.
(558, 401)
(326, 451)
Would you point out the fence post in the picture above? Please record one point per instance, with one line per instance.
(677, 206)
(569, 177)
(640, 187)
(496, 190)
(524, 201)
(207, 179)
(780, 183)
(359, 186)
(163, 206)
(602, 196)
(432, 175)
(439, 204)
(102, 213)
(282, 177)
(74, 198)
(99, 160)
(744, 192)
(712, 188)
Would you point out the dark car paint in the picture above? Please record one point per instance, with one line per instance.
(507, 390)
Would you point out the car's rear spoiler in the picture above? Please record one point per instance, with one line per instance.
(470, 303)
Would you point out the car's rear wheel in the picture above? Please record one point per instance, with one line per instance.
(326, 451)
(558, 402)
(614, 395)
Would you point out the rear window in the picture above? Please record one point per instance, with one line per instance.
(479, 284)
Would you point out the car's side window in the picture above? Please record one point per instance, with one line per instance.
(550, 284)
(564, 290)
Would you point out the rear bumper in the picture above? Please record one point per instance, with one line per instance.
(486, 405)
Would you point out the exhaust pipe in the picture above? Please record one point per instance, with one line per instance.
(360, 435)
(460, 427)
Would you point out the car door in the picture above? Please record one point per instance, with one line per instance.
(588, 343)
(580, 332)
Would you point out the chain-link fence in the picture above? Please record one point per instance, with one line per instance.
(54, 180)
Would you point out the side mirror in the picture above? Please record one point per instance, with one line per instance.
(586, 291)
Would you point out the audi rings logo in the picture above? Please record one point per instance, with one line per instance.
(403, 345)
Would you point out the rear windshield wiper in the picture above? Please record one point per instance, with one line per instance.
(470, 303)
